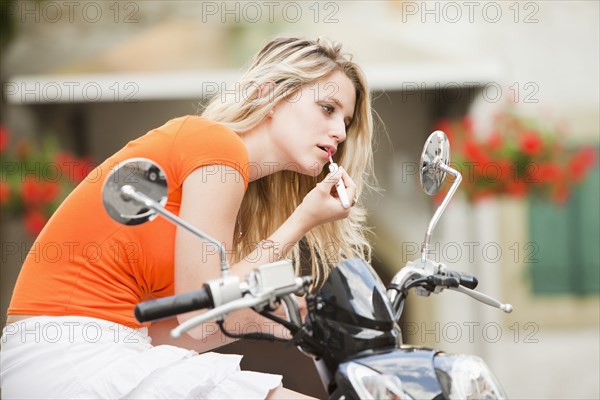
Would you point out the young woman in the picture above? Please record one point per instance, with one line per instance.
(251, 170)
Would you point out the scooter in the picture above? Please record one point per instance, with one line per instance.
(352, 326)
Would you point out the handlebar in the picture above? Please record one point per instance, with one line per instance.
(265, 286)
(256, 299)
(173, 305)
(216, 313)
(214, 293)
(464, 279)
(432, 277)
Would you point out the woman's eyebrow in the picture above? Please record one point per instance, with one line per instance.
(348, 118)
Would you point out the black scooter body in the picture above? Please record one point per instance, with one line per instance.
(352, 317)
(413, 366)
(352, 314)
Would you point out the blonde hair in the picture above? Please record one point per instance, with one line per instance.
(292, 62)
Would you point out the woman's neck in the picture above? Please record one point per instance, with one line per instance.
(262, 157)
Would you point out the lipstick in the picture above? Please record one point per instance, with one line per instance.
(339, 186)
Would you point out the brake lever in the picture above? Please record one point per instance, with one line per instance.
(245, 302)
(507, 308)
(252, 298)
(292, 310)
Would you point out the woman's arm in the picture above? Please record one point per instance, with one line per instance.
(160, 333)
(210, 201)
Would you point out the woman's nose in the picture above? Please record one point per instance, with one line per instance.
(338, 131)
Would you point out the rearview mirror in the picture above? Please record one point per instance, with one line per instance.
(143, 176)
(435, 151)
(435, 164)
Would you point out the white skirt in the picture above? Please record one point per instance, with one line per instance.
(88, 358)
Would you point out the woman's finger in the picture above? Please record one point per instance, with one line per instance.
(350, 187)
(332, 179)
(348, 181)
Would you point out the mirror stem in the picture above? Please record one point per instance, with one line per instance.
(442, 207)
(128, 192)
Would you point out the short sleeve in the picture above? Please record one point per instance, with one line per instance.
(200, 142)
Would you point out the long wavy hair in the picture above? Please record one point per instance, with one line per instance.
(292, 62)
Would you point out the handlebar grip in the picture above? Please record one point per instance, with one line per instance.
(173, 305)
(445, 280)
(466, 280)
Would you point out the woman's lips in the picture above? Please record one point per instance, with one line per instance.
(327, 149)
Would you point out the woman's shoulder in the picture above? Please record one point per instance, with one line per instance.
(197, 125)
(197, 129)
(199, 141)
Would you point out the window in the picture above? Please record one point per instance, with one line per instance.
(567, 242)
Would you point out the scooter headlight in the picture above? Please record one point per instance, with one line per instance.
(466, 377)
(370, 384)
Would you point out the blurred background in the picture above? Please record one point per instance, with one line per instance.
(514, 84)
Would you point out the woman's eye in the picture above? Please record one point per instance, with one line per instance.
(328, 109)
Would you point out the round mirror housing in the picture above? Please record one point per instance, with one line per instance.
(435, 151)
(141, 175)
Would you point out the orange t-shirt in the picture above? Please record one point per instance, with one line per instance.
(83, 263)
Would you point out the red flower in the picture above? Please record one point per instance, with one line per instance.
(46, 177)
(467, 124)
(50, 192)
(35, 221)
(581, 163)
(35, 192)
(73, 168)
(66, 164)
(516, 159)
(547, 173)
(31, 190)
(4, 193)
(516, 188)
(83, 167)
(4, 139)
(64, 161)
(495, 141)
(474, 153)
(531, 143)
(588, 156)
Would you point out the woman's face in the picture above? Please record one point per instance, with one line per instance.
(311, 121)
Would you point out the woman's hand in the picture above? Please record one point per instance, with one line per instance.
(322, 204)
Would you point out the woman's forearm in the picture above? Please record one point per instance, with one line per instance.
(275, 247)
